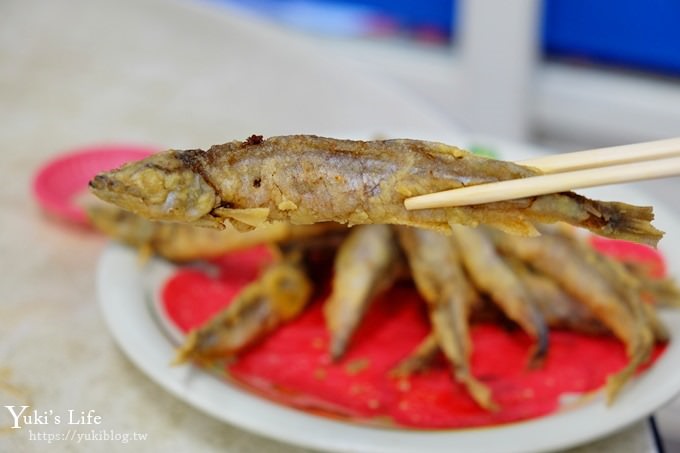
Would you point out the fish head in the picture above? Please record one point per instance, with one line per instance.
(164, 187)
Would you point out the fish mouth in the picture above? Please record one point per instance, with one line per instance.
(102, 184)
(108, 188)
(127, 188)
(105, 187)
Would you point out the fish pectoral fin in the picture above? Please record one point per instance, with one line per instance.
(240, 226)
(209, 221)
(243, 219)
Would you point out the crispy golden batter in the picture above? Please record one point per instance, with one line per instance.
(438, 274)
(492, 276)
(277, 296)
(308, 179)
(366, 264)
(557, 308)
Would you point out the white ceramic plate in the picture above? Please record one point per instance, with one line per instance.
(125, 290)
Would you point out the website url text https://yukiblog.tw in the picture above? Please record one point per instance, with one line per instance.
(80, 436)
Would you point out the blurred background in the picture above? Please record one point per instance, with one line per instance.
(556, 75)
(554, 70)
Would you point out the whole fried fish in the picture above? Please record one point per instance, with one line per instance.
(276, 297)
(366, 264)
(306, 179)
(492, 275)
(438, 274)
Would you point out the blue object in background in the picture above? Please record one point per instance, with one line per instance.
(315, 16)
(635, 33)
(640, 34)
(427, 20)
(434, 15)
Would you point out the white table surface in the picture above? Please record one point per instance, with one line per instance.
(170, 74)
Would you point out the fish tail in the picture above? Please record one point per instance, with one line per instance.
(623, 221)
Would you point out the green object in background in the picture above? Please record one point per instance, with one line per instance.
(484, 151)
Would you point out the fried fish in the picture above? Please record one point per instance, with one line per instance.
(439, 277)
(366, 264)
(305, 179)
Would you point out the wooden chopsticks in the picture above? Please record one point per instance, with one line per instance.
(568, 171)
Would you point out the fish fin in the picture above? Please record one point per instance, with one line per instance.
(240, 226)
(209, 221)
(606, 218)
(243, 219)
(628, 222)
